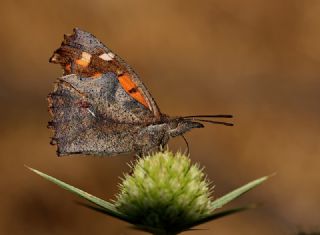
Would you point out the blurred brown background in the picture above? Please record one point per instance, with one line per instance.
(258, 60)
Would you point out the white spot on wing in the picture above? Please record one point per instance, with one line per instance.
(92, 113)
(86, 57)
(54, 57)
(107, 56)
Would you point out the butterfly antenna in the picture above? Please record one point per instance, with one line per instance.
(185, 140)
(200, 118)
(210, 116)
(213, 122)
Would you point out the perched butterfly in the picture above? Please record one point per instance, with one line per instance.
(101, 107)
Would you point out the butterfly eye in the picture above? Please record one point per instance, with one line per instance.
(174, 124)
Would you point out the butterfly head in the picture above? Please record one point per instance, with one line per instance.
(179, 126)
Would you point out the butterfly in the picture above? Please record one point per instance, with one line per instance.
(101, 107)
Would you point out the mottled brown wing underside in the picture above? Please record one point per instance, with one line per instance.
(84, 120)
(99, 106)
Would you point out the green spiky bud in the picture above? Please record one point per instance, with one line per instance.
(165, 191)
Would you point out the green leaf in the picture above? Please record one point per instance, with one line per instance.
(237, 193)
(215, 216)
(107, 207)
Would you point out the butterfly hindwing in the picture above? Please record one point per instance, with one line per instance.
(91, 117)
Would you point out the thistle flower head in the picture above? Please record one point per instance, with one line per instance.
(165, 191)
(165, 194)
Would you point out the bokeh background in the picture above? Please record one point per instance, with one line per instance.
(258, 60)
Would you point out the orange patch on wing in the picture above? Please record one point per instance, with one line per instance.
(82, 62)
(131, 88)
(68, 68)
(85, 59)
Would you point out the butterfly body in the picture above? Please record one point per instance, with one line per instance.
(101, 107)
